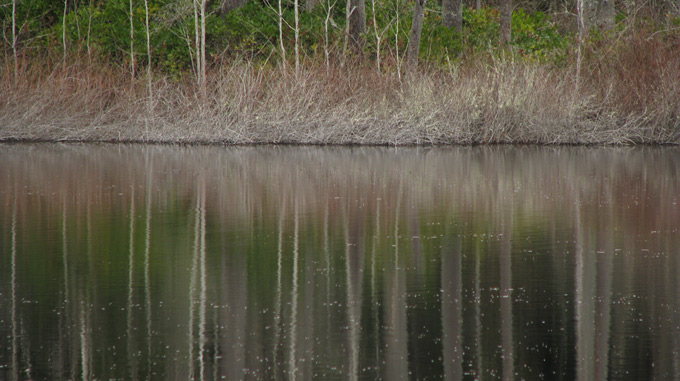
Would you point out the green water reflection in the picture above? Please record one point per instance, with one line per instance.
(166, 262)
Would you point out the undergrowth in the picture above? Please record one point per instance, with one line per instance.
(629, 92)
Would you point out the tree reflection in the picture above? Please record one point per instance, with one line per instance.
(13, 266)
(209, 262)
(505, 262)
(452, 300)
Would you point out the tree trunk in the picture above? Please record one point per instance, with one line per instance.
(148, 39)
(506, 23)
(149, 80)
(297, 37)
(416, 30)
(63, 26)
(356, 17)
(202, 58)
(132, 40)
(197, 42)
(14, 41)
(377, 37)
(283, 48)
(453, 14)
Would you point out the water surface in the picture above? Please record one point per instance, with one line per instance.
(169, 262)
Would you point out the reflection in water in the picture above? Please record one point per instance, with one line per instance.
(147, 268)
(139, 262)
(13, 285)
(395, 295)
(505, 262)
(279, 289)
(130, 342)
(292, 329)
(198, 290)
(452, 300)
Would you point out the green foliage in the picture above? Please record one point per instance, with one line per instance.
(439, 43)
(534, 35)
(480, 28)
(106, 27)
(250, 31)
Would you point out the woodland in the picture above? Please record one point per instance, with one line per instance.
(386, 72)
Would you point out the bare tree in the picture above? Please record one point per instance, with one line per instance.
(453, 14)
(202, 56)
(396, 39)
(89, 31)
(416, 31)
(296, 6)
(63, 25)
(329, 10)
(14, 40)
(505, 262)
(506, 23)
(132, 40)
(377, 37)
(581, 35)
(283, 48)
(199, 40)
(148, 51)
(356, 21)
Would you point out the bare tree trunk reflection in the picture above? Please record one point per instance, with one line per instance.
(233, 316)
(147, 254)
(605, 267)
(585, 304)
(84, 342)
(202, 337)
(64, 325)
(308, 322)
(505, 262)
(353, 270)
(327, 259)
(672, 245)
(396, 367)
(85, 301)
(197, 275)
(131, 347)
(277, 307)
(292, 345)
(452, 317)
(374, 292)
(13, 266)
(478, 313)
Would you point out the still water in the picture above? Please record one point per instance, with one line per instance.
(169, 262)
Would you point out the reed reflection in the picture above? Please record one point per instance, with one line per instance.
(204, 262)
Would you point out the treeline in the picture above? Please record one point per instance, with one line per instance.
(178, 36)
(341, 71)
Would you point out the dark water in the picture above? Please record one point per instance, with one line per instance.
(163, 262)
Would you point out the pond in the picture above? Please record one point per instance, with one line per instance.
(209, 262)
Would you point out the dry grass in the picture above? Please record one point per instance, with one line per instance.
(630, 95)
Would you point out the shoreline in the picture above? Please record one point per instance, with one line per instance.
(206, 143)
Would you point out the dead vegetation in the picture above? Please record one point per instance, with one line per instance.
(630, 94)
